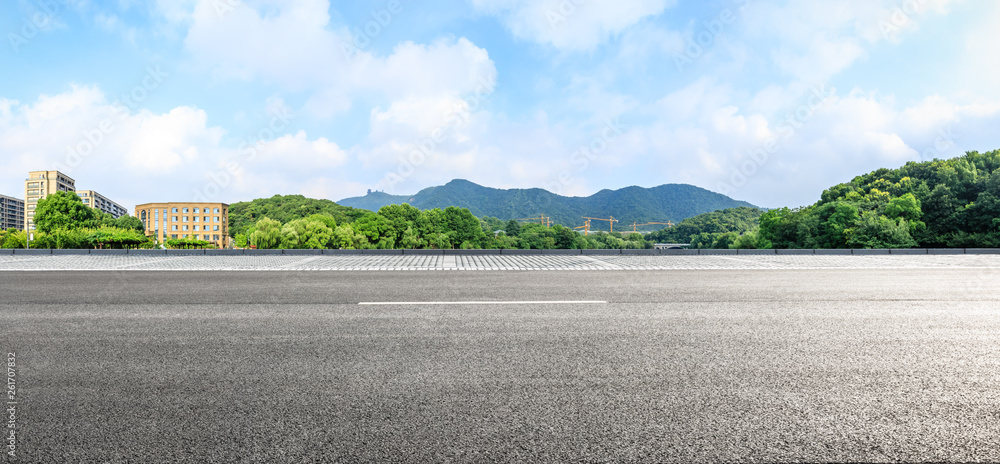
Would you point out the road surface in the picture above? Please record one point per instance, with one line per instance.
(710, 365)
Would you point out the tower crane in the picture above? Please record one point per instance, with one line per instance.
(612, 221)
(585, 227)
(542, 219)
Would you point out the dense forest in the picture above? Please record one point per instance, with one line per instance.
(940, 203)
(285, 209)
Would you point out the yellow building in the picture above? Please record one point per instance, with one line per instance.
(199, 221)
(41, 184)
(101, 202)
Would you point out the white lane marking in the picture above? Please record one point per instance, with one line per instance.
(435, 303)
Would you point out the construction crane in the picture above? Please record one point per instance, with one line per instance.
(585, 227)
(637, 225)
(612, 221)
(542, 219)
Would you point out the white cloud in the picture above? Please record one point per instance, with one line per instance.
(571, 24)
(813, 40)
(139, 157)
(294, 46)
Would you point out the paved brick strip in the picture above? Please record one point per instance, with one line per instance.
(487, 263)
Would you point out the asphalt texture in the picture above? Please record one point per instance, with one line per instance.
(871, 365)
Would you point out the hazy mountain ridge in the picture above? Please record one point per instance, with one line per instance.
(670, 202)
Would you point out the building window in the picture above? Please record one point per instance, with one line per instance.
(185, 228)
(174, 211)
(173, 236)
(197, 219)
(174, 219)
(216, 210)
(196, 211)
(196, 228)
(185, 219)
(216, 237)
(216, 218)
(173, 228)
(215, 228)
(186, 210)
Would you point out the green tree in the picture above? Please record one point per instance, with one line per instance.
(267, 235)
(565, 238)
(513, 228)
(109, 237)
(66, 239)
(751, 241)
(128, 223)
(905, 207)
(307, 234)
(15, 239)
(465, 226)
(876, 231)
(377, 229)
(440, 241)
(240, 241)
(63, 210)
(411, 240)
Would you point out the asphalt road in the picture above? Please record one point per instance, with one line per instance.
(804, 365)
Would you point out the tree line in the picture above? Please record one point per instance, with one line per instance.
(404, 226)
(952, 203)
(63, 221)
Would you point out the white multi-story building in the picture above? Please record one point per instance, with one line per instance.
(101, 202)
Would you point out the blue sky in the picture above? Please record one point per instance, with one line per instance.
(768, 101)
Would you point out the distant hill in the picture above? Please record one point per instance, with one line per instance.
(672, 202)
(284, 209)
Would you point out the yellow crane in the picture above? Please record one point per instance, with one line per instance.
(585, 227)
(636, 225)
(542, 219)
(612, 221)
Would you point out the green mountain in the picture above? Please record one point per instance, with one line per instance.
(673, 202)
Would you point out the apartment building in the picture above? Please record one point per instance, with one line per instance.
(41, 184)
(101, 202)
(199, 221)
(11, 213)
